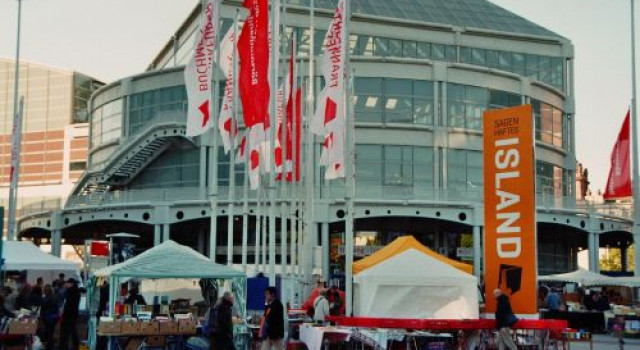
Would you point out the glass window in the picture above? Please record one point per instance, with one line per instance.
(398, 101)
(544, 66)
(479, 57)
(546, 123)
(368, 105)
(423, 50)
(533, 67)
(557, 72)
(493, 60)
(476, 103)
(438, 52)
(395, 47)
(364, 45)
(409, 49)
(381, 46)
(423, 102)
(451, 53)
(456, 105)
(505, 61)
(519, 64)
(465, 55)
(557, 127)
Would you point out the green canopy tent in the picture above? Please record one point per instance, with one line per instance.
(167, 260)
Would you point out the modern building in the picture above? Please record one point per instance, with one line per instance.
(55, 133)
(425, 71)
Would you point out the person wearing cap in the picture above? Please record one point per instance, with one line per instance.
(504, 320)
(70, 315)
(335, 301)
(321, 307)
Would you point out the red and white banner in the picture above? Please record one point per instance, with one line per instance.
(253, 48)
(99, 248)
(242, 149)
(333, 155)
(292, 121)
(226, 123)
(330, 111)
(197, 74)
(619, 182)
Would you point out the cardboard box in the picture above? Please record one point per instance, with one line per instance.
(130, 327)
(28, 327)
(187, 326)
(155, 340)
(169, 327)
(151, 327)
(110, 327)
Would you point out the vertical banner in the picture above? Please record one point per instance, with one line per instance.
(509, 208)
(619, 182)
(197, 74)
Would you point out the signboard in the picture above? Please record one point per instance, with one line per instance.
(509, 211)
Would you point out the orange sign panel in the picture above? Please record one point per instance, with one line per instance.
(509, 208)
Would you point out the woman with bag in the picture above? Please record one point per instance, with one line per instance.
(504, 320)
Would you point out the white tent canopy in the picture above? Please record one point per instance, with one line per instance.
(581, 276)
(26, 256)
(415, 285)
(169, 260)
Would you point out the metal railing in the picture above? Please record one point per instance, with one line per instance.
(334, 192)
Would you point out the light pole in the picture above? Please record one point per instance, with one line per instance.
(634, 151)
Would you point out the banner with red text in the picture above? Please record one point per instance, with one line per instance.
(330, 111)
(197, 74)
(619, 182)
(509, 208)
(227, 125)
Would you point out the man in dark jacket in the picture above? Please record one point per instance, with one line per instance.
(70, 315)
(272, 327)
(223, 327)
(504, 320)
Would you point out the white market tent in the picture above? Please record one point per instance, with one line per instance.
(415, 285)
(170, 260)
(26, 256)
(581, 276)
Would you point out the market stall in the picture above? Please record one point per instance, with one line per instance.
(165, 261)
(413, 284)
(26, 256)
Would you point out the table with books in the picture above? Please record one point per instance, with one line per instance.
(130, 334)
(17, 333)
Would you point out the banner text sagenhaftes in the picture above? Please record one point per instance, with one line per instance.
(619, 182)
(509, 210)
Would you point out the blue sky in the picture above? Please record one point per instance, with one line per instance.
(116, 38)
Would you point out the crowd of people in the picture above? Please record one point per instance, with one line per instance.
(55, 303)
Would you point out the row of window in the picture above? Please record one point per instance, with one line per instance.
(106, 123)
(153, 104)
(547, 69)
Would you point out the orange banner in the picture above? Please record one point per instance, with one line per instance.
(509, 208)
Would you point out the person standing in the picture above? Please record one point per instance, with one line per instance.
(70, 316)
(335, 301)
(223, 324)
(321, 307)
(504, 320)
(272, 327)
(49, 314)
(553, 301)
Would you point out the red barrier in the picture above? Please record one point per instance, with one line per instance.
(419, 324)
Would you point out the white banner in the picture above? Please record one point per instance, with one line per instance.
(197, 74)
(330, 112)
(225, 122)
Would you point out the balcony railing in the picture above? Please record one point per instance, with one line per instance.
(330, 193)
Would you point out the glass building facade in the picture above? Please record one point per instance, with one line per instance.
(425, 73)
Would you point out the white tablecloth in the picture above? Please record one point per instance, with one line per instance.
(313, 336)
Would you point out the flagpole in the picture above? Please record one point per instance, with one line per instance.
(213, 151)
(309, 208)
(233, 130)
(294, 154)
(13, 188)
(349, 165)
(634, 131)
(275, 8)
(283, 142)
(258, 215)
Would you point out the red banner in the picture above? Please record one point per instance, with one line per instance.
(619, 182)
(253, 48)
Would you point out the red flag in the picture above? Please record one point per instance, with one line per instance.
(99, 248)
(619, 183)
(253, 48)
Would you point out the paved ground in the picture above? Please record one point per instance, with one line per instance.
(607, 342)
